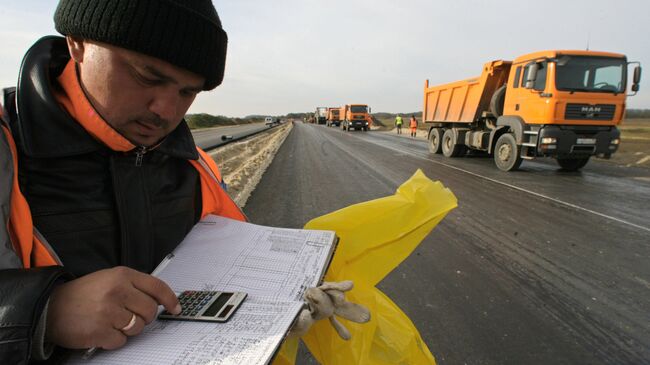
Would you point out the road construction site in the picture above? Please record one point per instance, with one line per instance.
(535, 266)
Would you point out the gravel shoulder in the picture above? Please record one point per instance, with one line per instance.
(243, 163)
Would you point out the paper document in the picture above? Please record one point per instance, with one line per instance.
(273, 265)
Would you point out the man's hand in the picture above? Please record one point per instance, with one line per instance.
(92, 310)
(326, 301)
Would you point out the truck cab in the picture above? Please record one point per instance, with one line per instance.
(357, 117)
(571, 102)
(320, 115)
(333, 117)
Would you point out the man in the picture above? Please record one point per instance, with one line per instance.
(398, 123)
(107, 166)
(413, 124)
(106, 178)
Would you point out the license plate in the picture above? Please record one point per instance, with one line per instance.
(586, 141)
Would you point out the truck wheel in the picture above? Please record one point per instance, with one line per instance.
(497, 101)
(449, 146)
(507, 154)
(435, 140)
(572, 164)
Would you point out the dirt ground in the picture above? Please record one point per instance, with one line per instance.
(243, 163)
(635, 144)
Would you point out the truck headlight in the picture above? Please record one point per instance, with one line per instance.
(549, 140)
(615, 141)
(366, 123)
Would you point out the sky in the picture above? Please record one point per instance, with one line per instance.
(294, 55)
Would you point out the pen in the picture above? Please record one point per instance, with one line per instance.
(91, 351)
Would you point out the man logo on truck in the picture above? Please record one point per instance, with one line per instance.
(590, 109)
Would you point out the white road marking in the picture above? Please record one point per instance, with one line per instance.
(577, 207)
(643, 160)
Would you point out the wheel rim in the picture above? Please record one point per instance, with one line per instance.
(504, 152)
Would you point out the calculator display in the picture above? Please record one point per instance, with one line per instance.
(212, 306)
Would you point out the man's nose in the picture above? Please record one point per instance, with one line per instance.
(164, 104)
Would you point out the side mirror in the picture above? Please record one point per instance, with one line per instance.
(369, 110)
(532, 75)
(637, 77)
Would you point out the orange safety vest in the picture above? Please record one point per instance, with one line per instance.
(414, 123)
(29, 245)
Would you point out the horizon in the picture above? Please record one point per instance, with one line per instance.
(292, 56)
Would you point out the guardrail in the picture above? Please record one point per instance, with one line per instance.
(226, 139)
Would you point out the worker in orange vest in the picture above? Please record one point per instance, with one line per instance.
(413, 124)
(111, 180)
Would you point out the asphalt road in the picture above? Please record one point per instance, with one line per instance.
(533, 267)
(209, 137)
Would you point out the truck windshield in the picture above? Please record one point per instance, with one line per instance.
(591, 74)
(359, 109)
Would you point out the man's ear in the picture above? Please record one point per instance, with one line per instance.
(76, 48)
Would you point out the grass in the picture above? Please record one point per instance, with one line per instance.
(635, 144)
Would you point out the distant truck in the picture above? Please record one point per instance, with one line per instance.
(355, 116)
(320, 115)
(560, 104)
(333, 117)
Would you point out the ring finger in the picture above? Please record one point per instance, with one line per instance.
(134, 326)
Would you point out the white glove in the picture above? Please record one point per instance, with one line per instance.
(326, 301)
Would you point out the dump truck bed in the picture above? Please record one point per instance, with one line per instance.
(464, 101)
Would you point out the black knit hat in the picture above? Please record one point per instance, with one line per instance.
(185, 33)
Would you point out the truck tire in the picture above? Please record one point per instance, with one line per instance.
(507, 154)
(497, 101)
(572, 164)
(435, 140)
(449, 146)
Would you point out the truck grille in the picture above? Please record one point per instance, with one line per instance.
(590, 112)
(358, 117)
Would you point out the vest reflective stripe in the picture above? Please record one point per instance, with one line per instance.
(30, 249)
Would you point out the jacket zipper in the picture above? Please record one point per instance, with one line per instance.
(139, 155)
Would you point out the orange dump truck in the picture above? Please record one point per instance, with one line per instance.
(560, 104)
(355, 116)
(333, 117)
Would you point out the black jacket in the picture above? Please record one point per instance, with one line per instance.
(95, 206)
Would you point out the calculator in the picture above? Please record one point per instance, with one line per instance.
(209, 306)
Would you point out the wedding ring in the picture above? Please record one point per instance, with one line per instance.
(130, 325)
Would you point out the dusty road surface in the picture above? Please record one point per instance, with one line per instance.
(533, 267)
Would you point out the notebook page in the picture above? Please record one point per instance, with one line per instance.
(229, 255)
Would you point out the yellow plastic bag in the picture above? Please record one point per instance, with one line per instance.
(375, 237)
